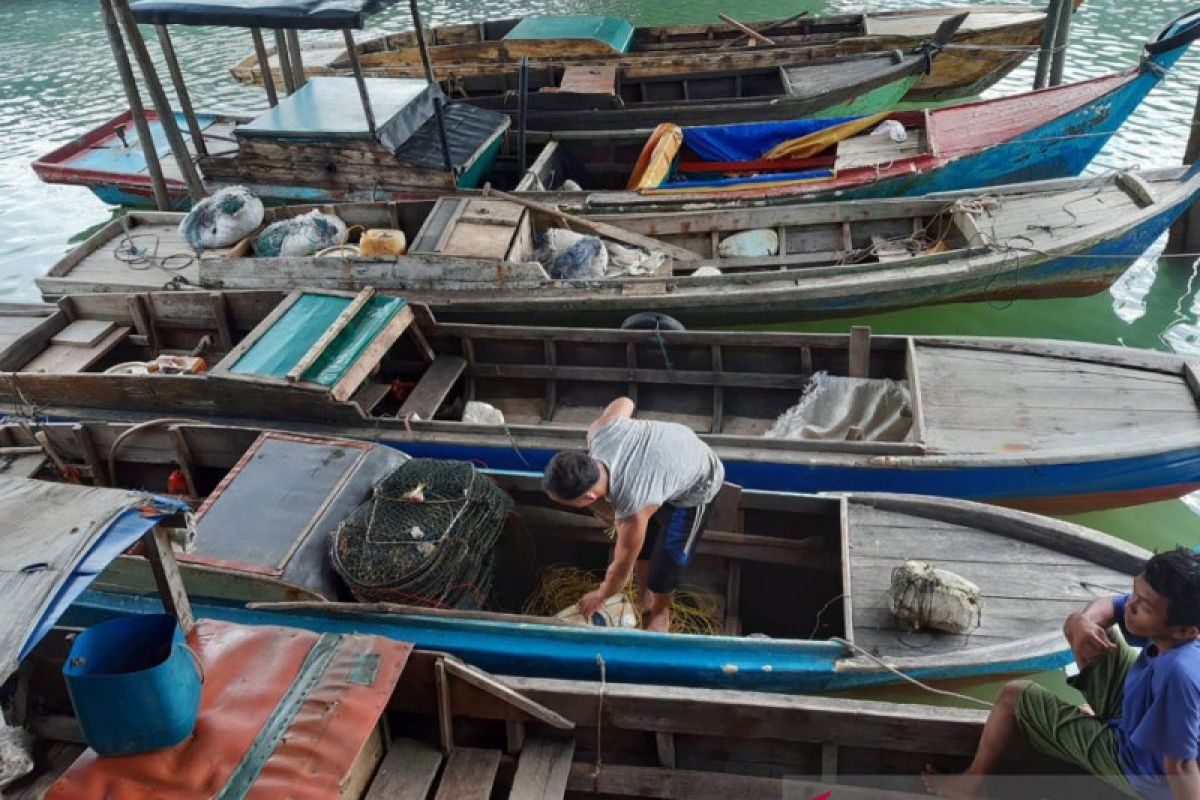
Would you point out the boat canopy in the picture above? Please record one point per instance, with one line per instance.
(286, 14)
(613, 32)
(67, 536)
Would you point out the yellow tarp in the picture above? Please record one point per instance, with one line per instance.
(654, 162)
(808, 146)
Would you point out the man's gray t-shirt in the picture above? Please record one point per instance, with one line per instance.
(651, 463)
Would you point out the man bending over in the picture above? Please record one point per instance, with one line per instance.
(658, 481)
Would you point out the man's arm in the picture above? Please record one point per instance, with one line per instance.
(621, 407)
(1183, 776)
(1087, 630)
(631, 534)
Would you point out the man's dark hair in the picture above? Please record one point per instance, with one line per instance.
(570, 473)
(1175, 575)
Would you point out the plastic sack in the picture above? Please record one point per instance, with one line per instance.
(476, 412)
(617, 612)
(222, 219)
(302, 236)
(892, 129)
(568, 256)
(749, 244)
(16, 757)
(923, 596)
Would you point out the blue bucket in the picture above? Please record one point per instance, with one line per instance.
(134, 683)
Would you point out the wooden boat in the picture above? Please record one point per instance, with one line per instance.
(475, 258)
(256, 541)
(989, 45)
(452, 726)
(1046, 134)
(610, 98)
(1056, 426)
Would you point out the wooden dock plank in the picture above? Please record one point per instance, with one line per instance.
(469, 774)
(407, 772)
(543, 769)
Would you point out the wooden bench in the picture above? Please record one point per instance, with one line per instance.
(469, 775)
(407, 772)
(433, 388)
(543, 770)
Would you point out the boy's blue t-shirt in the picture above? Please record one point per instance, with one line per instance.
(1160, 713)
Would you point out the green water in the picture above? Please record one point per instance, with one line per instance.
(56, 82)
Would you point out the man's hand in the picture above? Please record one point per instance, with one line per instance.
(1088, 640)
(592, 602)
(1183, 777)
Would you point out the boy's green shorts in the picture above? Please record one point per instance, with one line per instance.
(1059, 729)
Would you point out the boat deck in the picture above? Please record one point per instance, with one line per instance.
(977, 400)
(1027, 589)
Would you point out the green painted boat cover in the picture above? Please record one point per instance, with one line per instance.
(286, 342)
(329, 108)
(613, 31)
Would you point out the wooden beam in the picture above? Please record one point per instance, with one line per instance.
(183, 457)
(285, 62)
(445, 712)
(181, 90)
(407, 772)
(87, 447)
(745, 29)
(543, 770)
(356, 69)
(295, 57)
(664, 745)
(264, 66)
(322, 344)
(481, 680)
(162, 199)
(220, 312)
(166, 576)
(860, 351)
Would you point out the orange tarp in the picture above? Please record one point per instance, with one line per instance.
(248, 670)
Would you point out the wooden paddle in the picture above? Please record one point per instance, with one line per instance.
(745, 29)
(777, 24)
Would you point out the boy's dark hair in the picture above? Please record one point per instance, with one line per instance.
(570, 473)
(1175, 575)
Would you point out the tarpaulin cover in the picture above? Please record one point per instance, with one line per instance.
(612, 31)
(287, 341)
(329, 107)
(769, 177)
(283, 713)
(289, 14)
(749, 141)
(66, 536)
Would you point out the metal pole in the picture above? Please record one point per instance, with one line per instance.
(1061, 37)
(285, 62)
(162, 200)
(359, 79)
(293, 43)
(1046, 53)
(264, 66)
(166, 115)
(522, 112)
(437, 102)
(185, 100)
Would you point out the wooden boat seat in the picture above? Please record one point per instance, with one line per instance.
(469, 775)
(433, 388)
(477, 228)
(543, 769)
(874, 151)
(589, 80)
(407, 772)
(77, 347)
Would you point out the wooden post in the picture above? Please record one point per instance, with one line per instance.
(264, 66)
(185, 100)
(285, 62)
(1046, 53)
(167, 577)
(356, 68)
(161, 198)
(1062, 36)
(419, 29)
(166, 116)
(860, 351)
(1185, 233)
(293, 46)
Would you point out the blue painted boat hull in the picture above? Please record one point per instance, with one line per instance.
(534, 650)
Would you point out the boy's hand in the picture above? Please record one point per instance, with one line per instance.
(1088, 640)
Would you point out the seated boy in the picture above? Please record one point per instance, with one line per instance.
(1140, 730)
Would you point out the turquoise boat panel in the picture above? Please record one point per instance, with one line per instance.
(286, 342)
(110, 155)
(475, 173)
(612, 31)
(328, 108)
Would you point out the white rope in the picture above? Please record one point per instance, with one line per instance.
(909, 678)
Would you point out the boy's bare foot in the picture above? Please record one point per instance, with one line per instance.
(958, 786)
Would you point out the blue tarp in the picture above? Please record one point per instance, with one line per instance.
(768, 177)
(288, 14)
(749, 141)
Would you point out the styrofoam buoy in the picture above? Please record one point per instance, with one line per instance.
(301, 236)
(222, 219)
